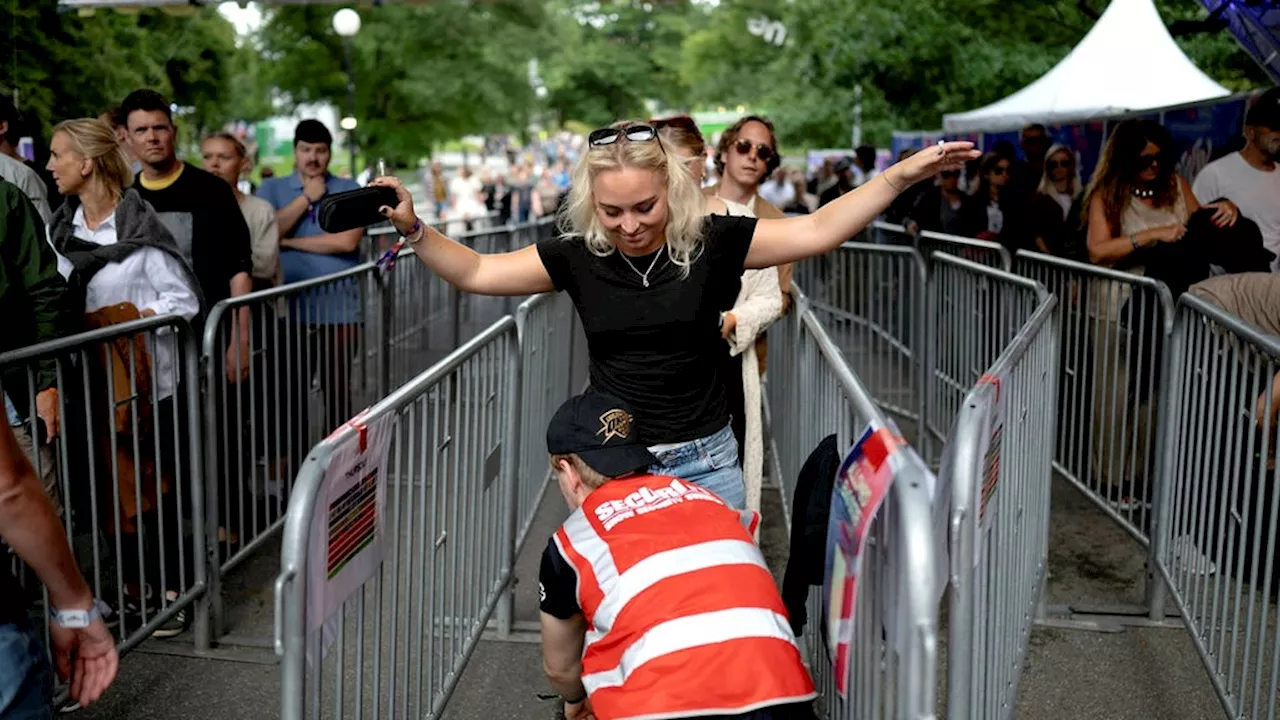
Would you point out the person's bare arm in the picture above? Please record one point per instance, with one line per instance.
(512, 273)
(562, 642)
(768, 211)
(787, 240)
(1106, 249)
(288, 216)
(237, 355)
(29, 524)
(326, 244)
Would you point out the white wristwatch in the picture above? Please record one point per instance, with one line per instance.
(78, 619)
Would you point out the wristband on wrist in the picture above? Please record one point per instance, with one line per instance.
(567, 701)
(1133, 240)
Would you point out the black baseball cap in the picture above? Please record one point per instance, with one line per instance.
(600, 429)
(1266, 110)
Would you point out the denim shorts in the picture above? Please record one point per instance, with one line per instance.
(710, 462)
(26, 681)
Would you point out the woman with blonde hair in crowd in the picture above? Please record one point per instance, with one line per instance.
(758, 305)
(224, 155)
(650, 272)
(125, 265)
(1050, 215)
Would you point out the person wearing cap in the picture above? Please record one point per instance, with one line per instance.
(655, 601)
(1248, 179)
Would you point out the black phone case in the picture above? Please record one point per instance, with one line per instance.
(354, 209)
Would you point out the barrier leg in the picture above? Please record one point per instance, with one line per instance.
(511, 478)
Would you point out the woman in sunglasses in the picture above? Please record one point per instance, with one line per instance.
(650, 272)
(994, 213)
(1051, 216)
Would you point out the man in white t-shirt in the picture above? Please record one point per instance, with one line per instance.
(1249, 178)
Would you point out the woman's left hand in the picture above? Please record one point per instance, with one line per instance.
(931, 161)
(1226, 213)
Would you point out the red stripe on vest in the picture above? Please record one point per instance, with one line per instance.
(589, 595)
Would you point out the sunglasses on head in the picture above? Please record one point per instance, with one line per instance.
(744, 147)
(1055, 164)
(633, 133)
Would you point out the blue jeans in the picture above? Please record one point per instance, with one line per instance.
(710, 462)
(26, 681)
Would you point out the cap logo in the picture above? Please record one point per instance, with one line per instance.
(615, 423)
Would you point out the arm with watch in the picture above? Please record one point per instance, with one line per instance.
(562, 643)
(1106, 249)
(83, 649)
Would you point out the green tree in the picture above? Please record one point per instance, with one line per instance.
(65, 65)
(915, 59)
(423, 75)
(606, 60)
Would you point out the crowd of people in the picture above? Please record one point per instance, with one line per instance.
(676, 268)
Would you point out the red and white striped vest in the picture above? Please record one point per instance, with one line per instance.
(683, 616)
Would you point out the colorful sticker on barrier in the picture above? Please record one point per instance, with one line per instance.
(348, 532)
(992, 450)
(859, 489)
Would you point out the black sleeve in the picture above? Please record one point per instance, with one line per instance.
(557, 584)
(729, 241)
(239, 257)
(557, 257)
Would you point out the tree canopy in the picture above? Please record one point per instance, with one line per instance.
(434, 72)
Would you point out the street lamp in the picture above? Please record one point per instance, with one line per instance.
(346, 22)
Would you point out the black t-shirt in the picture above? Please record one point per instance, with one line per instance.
(557, 584)
(658, 347)
(202, 213)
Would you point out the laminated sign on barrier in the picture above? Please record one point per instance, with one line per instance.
(861, 485)
(348, 533)
(990, 451)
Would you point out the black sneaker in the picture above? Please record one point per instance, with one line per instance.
(175, 625)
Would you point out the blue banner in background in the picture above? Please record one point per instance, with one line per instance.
(1202, 132)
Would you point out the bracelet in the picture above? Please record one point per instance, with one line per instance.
(1133, 240)
(415, 233)
(885, 175)
(567, 701)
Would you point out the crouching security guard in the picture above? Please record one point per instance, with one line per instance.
(656, 603)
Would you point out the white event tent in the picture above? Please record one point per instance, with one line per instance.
(1127, 62)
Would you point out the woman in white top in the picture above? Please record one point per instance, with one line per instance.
(225, 156)
(127, 266)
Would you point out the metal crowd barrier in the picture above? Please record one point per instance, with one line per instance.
(1219, 502)
(983, 252)
(1113, 328)
(997, 466)
(550, 336)
(318, 351)
(975, 312)
(403, 637)
(125, 469)
(870, 298)
(811, 393)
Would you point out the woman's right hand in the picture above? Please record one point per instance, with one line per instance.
(1164, 233)
(402, 215)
